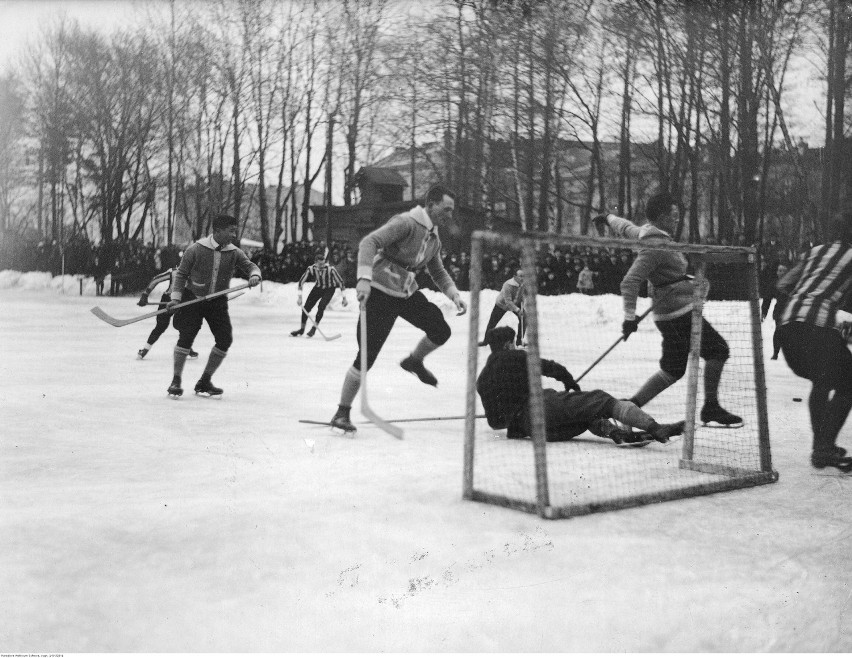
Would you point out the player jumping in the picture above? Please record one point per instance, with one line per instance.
(389, 259)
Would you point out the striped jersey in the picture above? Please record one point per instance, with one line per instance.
(326, 276)
(818, 286)
(168, 275)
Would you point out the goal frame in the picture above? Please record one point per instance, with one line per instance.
(702, 255)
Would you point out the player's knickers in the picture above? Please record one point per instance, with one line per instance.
(568, 414)
(676, 340)
(818, 354)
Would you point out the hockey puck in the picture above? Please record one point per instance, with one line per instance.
(797, 399)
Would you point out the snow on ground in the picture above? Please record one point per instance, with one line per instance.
(134, 523)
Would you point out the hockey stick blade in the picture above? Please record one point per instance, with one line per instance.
(398, 420)
(367, 412)
(115, 322)
(316, 326)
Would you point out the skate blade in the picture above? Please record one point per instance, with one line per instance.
(339, 431)
(216, 396)
(634, 444)
(174, 396)
(713, 425)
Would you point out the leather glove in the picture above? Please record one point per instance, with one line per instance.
(171, 305)
(143, 300)
(628, 327)
(343, 299)
(600, 223)
(254, 280)
(299, 299)
(570, 384)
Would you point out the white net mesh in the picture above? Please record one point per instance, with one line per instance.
(588, 472)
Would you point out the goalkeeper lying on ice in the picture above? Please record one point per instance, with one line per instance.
(503, 386)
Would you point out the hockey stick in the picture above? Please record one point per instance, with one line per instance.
(398, 420)
(101, 314)
(316, 326)
(367, 412)
(622, 337)
(231, 298)
(613, 346)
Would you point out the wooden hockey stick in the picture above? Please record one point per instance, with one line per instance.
(366, 410)
(397, 420)
(316, 326)
(231, 298)
(622, 338)
(101, 314)
(613, 346)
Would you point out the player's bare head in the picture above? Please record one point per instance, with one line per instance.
(659, 207)
(519, 276)
(440, 203)
(224, 229)
(500, 338)
(319, 255)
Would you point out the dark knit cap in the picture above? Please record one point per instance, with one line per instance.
(499, 336)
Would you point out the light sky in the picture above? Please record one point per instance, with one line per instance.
(22, 20)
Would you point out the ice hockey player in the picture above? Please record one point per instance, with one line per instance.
(814, 334)
(207, 266)
(164, 318)
(511, 298)
(389, 259)
(671, 291)
(503, 387)
(327, 280)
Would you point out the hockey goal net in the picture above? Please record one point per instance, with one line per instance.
(589, 473)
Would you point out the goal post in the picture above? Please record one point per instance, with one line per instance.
(586, 474)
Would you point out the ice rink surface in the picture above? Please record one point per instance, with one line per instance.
(130, 522)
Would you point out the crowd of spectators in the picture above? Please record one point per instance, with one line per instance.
(131, 265)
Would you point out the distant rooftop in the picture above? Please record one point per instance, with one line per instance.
(380, 176)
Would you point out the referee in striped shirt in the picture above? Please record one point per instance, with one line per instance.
(327, 279)
(814, 332)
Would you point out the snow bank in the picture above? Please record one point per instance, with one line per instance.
(45, 281)
(597, 310)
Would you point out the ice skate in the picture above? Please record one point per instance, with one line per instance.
(833, 459)
(623, 437)
(416, 367)
(298, 332)
(663, 433)
(175, 390)
(341, 420)
(311, 333)
(205, 387)
(193, 354)
(713, 415)
(141, 353)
